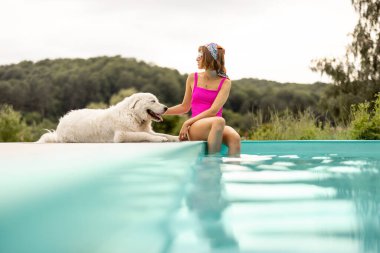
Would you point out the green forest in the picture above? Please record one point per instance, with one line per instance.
(34, 95)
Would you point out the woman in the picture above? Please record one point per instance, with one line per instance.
(205, 95)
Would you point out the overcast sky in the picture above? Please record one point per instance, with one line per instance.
(266, 39)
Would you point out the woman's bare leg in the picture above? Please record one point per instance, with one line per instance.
(210, 129)
(232, 139)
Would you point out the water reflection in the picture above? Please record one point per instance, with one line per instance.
(206, 201)
(287, 203)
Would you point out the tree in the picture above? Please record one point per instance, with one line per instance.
(358, 73)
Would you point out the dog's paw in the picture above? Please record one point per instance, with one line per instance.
(173, 138)
(160, 139)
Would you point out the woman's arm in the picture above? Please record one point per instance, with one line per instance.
(186, 103)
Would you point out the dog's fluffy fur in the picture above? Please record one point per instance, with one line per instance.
(128, 121)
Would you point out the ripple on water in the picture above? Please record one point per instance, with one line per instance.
(248, 159)
(266, 192)
(272, 176)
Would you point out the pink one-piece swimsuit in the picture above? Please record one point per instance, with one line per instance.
(202, 98)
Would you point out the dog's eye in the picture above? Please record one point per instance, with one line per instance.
(153, 101)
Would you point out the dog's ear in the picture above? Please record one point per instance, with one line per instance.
(133, 103)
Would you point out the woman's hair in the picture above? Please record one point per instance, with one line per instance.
(208, 61)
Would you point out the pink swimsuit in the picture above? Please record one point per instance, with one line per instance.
(203, 98)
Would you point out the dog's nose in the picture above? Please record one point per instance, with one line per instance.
(165, 109)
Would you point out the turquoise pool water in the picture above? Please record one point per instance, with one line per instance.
(289, 196)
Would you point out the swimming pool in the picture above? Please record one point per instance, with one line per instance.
(283, 196)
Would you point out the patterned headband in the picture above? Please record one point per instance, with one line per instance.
(213, 48)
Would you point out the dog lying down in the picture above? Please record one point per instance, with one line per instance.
(128, 121)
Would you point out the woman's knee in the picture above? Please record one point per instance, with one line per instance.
(218, 123)
(232, 138)
(235, 139)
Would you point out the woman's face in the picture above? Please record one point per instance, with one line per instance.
(199, 59)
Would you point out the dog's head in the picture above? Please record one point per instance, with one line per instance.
(146, 106)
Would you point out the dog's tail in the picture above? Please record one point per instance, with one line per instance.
(49, 137)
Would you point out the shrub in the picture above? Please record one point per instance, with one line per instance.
(12, 127)
(365, 123)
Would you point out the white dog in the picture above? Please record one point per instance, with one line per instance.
(128, 121)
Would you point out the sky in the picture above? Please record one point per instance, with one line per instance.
(266, 39)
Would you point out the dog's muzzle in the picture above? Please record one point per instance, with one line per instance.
(157, 117)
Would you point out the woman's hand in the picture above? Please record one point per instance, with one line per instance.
(184, 131)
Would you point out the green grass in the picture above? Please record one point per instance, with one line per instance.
(301, 126)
